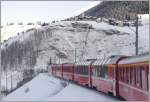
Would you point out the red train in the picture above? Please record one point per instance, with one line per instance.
(122, 76)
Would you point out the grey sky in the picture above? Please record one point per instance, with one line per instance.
(26, 11)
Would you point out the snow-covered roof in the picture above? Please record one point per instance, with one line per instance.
(134, 59)
(108, 60)
(56, 65)
(68, 64)
(86, 62)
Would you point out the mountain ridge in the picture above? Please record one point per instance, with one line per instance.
(121, 10)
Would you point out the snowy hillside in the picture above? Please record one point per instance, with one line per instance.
(59, 40)
(13, 30)
(103, 40)
(34, 48)
(47, 88)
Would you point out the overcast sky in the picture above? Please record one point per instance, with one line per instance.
(31, 11)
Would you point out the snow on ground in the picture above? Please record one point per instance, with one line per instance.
(47, 88)
(15, 76)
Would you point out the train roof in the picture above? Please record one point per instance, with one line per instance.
(68, 64)
(135, 59)
(108, 60)
(85, 62)
(56, 64)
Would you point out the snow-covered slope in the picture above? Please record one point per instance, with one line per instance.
(58, 41)
(47, 88)
(103, 40)
(14, 30)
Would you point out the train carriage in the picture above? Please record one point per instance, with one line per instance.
(53, 70)
(133, 78)
(82, 72)
(123, 76)
(57, 70)
(103, 74)
(68, 71)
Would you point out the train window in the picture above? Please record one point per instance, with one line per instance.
(97, 72)
(84, 70)
(143, 77)
(123, 74)
(103, 72)
(127, 75)
(93, 71)
(147, 76)
(112, 72)
(130, 69)
(76, 70)
(137, 77)
(136, 82)
(80, 69)
(132, 75)
(87, 70)
(119, 73)
(141, 86)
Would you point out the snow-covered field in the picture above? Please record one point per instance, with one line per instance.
(47, 88)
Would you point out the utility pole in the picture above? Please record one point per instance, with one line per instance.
(85, 43)
(136, 42)
(75, 55)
